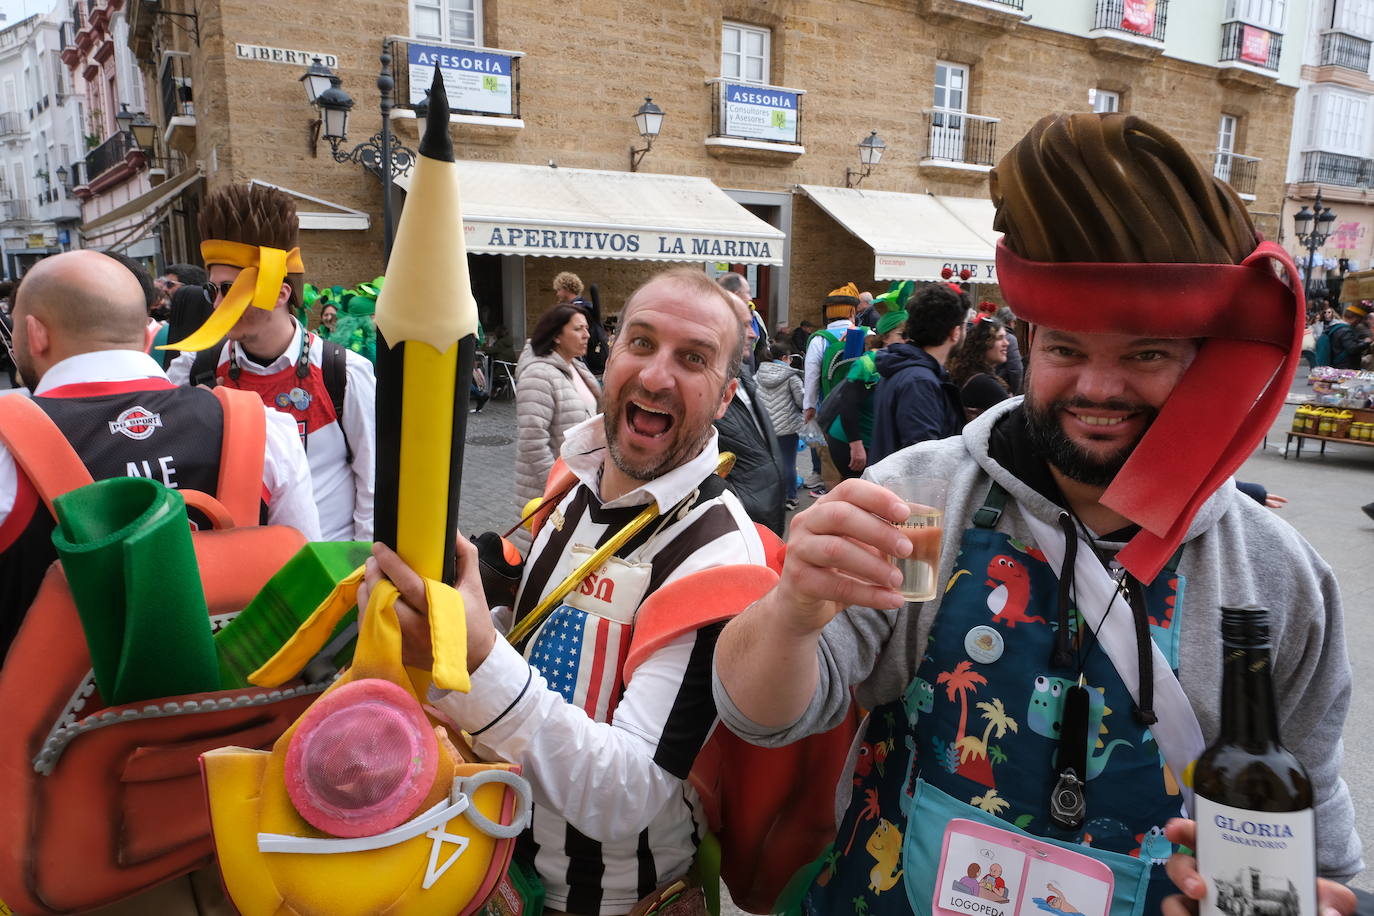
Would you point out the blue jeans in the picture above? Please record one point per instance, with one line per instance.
(788, 444)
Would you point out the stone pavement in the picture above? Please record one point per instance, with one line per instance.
(1325, 494)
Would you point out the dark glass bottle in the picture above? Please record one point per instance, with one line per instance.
(1256, 842)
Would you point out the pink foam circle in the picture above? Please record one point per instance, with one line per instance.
(362, 759)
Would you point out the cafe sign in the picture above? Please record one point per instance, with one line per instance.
(760, 112)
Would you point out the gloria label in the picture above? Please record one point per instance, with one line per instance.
(1256, 861)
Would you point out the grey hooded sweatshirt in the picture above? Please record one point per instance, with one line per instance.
(1236, 553)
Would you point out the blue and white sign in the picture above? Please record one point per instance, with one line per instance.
(760, 112)
(475, 80)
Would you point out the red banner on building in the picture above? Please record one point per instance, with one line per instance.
(1138, 16)
(1254, 45)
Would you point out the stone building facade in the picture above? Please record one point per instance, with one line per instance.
(947, 85)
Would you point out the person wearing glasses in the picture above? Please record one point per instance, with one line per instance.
(328, 390)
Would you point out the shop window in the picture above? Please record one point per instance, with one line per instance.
(1104, 100)
(744, 53)
(454, 21)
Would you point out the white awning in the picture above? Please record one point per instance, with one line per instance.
(337, 216)
(546, 211)
(145, 205)
(915, 236)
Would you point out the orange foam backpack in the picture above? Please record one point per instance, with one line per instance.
(100, 802)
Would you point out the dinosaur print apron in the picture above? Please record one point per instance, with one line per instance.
(975, 736)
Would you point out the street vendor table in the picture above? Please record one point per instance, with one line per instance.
(1322, 439)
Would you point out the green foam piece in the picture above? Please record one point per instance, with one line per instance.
(283, 604)
(125, 545)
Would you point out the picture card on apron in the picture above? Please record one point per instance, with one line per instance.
(995, 872)
(980, 872)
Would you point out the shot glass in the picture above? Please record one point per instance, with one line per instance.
(925, 527)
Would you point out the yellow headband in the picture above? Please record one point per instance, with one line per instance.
(258, 284)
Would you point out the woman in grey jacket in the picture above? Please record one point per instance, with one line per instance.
(554, 391)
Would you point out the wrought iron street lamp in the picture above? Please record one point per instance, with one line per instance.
(649, 120)
(870, 154)
(380, 154)
(1312, 228)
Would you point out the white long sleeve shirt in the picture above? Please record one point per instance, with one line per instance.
(609, 788)
(811, 366)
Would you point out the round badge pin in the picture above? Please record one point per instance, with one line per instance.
(300, 398)
(984, 645)
(283, 401)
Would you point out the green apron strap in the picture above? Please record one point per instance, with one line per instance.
(991, 511)
(1172, 565)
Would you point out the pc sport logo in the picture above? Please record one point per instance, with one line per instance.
(136, 423)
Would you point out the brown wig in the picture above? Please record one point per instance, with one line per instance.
(1114, 188)
(551, 325)
(254, 215)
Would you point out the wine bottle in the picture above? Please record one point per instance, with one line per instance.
(1256, 840)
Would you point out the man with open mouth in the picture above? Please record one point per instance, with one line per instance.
(605, 718)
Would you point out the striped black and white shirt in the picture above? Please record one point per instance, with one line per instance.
(614, 816)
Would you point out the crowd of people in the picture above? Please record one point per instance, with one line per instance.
(1067, 498)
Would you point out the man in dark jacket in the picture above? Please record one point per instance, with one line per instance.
(759, 477)
(916, 400)
(1349, 338)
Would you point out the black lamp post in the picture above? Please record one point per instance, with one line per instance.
(381, 154)
(1312, 227)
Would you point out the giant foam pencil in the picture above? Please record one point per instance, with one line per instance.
(426, 338)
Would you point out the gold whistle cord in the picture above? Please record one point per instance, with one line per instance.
(541, 610)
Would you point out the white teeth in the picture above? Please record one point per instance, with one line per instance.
(651, 410)
(1102, 421)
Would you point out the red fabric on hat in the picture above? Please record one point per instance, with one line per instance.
(1223, 404)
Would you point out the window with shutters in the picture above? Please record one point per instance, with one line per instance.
(454, 21)
(744, 53)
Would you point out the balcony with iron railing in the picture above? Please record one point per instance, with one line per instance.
(12, 126)
(1339, 49)
(1004, 14)
(754, 122)
(1131, 20)
(1321, 167)
(1242, 43)
(1240, 172)
(118, 151)
(14, 211)
(956, 139)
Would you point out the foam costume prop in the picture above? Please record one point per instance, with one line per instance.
(1166, 270)
(328, 823)
(102, 801)
(258, 284)
(125, 545)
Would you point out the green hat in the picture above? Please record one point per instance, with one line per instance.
(890, 322)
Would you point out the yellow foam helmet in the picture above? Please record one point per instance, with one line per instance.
(431, 834)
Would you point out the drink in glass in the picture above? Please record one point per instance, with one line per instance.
(924, 527)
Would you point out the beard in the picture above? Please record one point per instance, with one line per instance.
(1071, 459)
(682, 443)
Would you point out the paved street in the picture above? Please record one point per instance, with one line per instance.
(1325, 495)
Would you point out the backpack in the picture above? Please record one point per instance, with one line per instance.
(834, 364)
(103, 802)
(333, 364)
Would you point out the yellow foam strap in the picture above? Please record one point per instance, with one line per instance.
(379, 636)
(264, 269)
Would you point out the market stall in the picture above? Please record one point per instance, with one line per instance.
(1341, 409)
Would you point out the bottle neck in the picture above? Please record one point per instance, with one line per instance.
(1248, 713)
